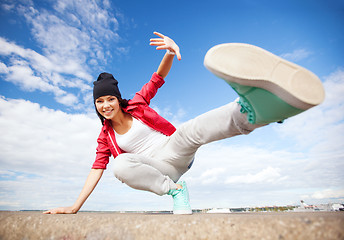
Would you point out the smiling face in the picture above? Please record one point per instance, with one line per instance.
(108, 106)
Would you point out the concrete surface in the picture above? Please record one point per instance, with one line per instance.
(107, 225)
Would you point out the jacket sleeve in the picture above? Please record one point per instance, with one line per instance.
(149, 90)
(103, 152)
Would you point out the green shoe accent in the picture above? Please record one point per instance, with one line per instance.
(262, 106)
(181, 202)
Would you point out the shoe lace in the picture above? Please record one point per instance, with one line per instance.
(182, 197)
(246, 107)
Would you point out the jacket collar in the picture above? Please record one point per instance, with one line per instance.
(107, 125)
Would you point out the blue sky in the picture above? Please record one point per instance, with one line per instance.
(52, 51)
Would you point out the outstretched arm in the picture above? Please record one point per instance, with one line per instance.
(91, 182)
(167, 43)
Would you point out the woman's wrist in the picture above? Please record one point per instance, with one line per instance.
(75, 208)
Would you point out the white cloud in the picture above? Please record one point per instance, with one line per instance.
(3, 68)
(297, 55)
(68, 100)
(71, 37)
(23, 76)
(31, 71)
(211, 175)
(43, 142)
(7, 6)
(267, 175)
(321, 127)
(213, 171)
(37, 60)
(91, 13)
(330, 195)
(176, 118)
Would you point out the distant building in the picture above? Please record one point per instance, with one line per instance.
(337, 207)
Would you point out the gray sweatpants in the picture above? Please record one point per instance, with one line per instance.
(159, 173)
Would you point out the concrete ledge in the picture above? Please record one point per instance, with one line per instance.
(107, 225)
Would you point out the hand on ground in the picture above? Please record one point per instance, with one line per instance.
(60, 210)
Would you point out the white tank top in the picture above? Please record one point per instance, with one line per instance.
(140, 139)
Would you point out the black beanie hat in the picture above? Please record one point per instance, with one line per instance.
(105, 85)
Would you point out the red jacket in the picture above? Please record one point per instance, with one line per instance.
(139, 108)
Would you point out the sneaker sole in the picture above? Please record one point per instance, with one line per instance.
(182, 212)
(249, 65)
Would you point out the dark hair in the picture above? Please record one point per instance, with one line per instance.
(123, 103)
